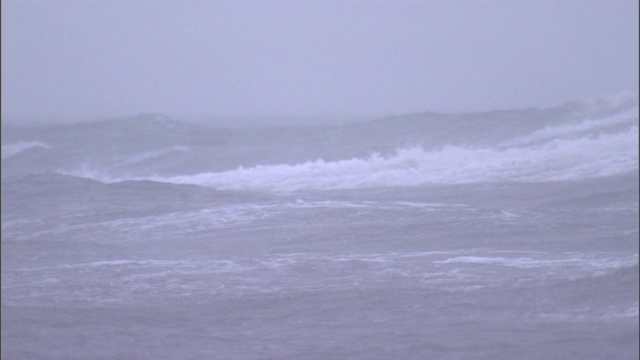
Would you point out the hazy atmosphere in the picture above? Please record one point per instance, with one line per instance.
(99, 59)
(366, 180)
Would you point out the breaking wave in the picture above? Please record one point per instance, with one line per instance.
(573, 129)
(588, 156)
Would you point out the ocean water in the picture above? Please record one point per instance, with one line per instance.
(492, 235)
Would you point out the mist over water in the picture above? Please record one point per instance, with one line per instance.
(262, 180)
(494, 235)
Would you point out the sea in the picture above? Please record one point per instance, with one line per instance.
(506, 234)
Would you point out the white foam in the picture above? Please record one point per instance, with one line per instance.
(630, 116)
(138, 279)
(14, 149)
(565, 152)
(591, 314)
(558, 159)
(571, 260)
(119, 263)
(190, 221)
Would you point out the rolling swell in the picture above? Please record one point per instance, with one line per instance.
(427, 231)
(579, 158)
(11, 150)
(572, 141)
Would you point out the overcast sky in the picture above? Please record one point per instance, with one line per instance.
(100, 59)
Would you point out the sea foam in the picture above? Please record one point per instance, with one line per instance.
(558, 159)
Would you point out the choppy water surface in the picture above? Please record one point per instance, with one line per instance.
(499, 235)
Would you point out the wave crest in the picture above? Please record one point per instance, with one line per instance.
(559, 159)
(17, 148)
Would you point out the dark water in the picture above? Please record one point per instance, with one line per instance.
(499, 235)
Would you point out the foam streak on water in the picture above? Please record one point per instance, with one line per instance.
(499, 235)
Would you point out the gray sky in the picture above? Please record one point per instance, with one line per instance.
(83, 59)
